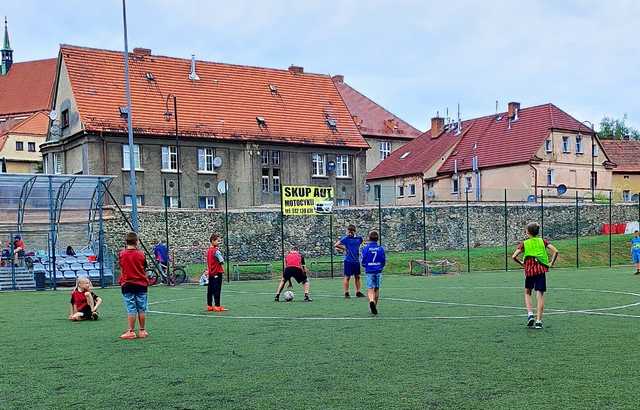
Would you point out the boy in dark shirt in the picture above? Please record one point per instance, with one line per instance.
(350, 245)
(134, 282)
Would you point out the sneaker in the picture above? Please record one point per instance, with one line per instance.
(637, 273)
(530, 320)
(142, 334)
(220, 309)
(347, 295)
(373, 308)
(359, 294)
(307, 299)
(210, 309)
(277, 298)
(129, 334)
(538, 324)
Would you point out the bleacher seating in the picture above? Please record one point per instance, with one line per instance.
(68, 268)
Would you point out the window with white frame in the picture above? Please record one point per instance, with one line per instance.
(139, 200)
(275, 158)
(171, 201)
(125, 156)
(626, 196)
(275, 180)
(169, 158)
(385, 149)
(550, 177)
(343, 202)
(548, 145)
(207, 202)
(318, 165)
(205, 159)
(455, 185)
(412, 189)
(265, 179)
(468, 183)
(400, 191)
(264, 156)
(58, 163)
(565, 145)
(342, 166)
(31, 146)
(595, 151)
(579, 144)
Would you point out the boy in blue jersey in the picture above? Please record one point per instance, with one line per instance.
(350, 245)
(635, 251)
(373, 261)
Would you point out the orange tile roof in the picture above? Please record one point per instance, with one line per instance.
(625, 154)
(35, 124)
(3, 140)
(371, 118)
(223, 104)
(27, 87)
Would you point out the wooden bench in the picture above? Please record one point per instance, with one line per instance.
(235, 267)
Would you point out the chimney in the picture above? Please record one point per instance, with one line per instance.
(338, 78)
(142, 51)
(193, 76)
(437, 125)
(512, 110)
(296, 69)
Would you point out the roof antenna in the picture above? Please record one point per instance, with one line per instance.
(193, 76)
(496, 108)
(459, 129)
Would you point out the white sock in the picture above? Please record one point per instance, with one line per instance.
(530, 313)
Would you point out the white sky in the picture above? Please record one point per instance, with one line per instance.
(413, 57)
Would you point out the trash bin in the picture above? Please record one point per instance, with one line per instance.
(39, 278)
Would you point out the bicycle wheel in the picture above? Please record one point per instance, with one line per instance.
(153, 277)
(179, 274)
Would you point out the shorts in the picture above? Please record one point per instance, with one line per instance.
(135, 302)
(635, 255)
(87, 314)
(351, 269)
(373, 280)
(536, 282)
(296, 273)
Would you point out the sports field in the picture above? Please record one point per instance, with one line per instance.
(438, 342)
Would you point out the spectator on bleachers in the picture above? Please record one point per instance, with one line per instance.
(70, 251)
(18, 249)
(6, 254)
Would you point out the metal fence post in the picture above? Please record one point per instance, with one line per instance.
(331, 241)
(506, 233)
(466, 198)
(226, 227)
(424, 229)
(577, 233)
(52, 227)
(610, 221)
(282, 229)
(380, 216)
(541, 213)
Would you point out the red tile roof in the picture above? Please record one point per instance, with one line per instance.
(625, 154)
(27, 87)
(224, 103)
(490, 139)
(496, 144)
(371, 118)
(36, 124)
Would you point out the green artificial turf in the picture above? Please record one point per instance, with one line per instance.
(439, 342)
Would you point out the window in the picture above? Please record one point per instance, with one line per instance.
(550, 177)
(169, 158)
(275, 181)
(579, 145)
(64, 121)
(264, 154)
(377, 192)
(31, 146)
(19, 146)
(205, 159)
(455, 185)
(58, 165)
(171, 201)
(400, 191)
(275, 158)
(343, 202)
(385, 150)
(594, 179)
(412, 190)
(265, 179)
(548, 145)
(317, 163)
(207, 202)
(342, 166)
(626, 177)
(126, 159)
(406, 154)
(127, 200)
(595, 151)
(565, 145)
(626, 196)
(468, 183)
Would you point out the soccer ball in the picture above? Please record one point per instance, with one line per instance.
(288, 296)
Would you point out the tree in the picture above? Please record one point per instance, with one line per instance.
(616, 129)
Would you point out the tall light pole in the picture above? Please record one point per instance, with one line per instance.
(132, 160)
(167, 115)
(593, 145)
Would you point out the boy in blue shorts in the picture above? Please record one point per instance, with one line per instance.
(635, 251)
(373, 261)
(350, 245)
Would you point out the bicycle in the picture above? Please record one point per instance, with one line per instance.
(169, 275)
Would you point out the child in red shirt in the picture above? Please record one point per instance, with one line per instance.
(134, 281)
(84, 303)
(215, 271)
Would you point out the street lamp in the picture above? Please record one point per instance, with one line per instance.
(593, 144)
(167, 115)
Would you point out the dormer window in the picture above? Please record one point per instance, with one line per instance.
(262, 123)
(332, 124)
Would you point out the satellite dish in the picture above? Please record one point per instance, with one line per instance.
(217, 162)
(331, 166)
(531, 198)
(53, 115)
(431, 194)
(367, 187)
(223, 187)
(562, 189)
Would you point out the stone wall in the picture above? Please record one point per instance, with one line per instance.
(255, 234)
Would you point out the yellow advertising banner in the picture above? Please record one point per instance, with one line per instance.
(307, 200)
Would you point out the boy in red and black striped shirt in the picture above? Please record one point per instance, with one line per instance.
(536, 264)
